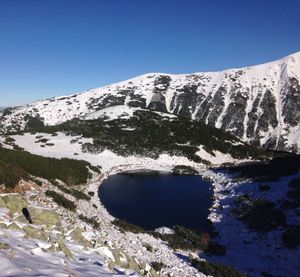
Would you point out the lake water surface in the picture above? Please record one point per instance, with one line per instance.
(156, 200)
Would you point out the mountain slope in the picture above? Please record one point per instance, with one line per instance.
(259, 104)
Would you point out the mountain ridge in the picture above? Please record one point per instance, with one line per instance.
(259, 104)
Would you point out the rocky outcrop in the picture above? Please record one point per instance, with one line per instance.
(291, 103)
(46, 230)
(13, 202)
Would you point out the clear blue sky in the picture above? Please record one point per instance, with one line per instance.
(56, 47)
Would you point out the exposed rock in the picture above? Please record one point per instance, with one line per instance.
(252, 117)
(4, 246)
(291, 107)
(120, 258)
(3, 226)
(14, 226)
(77, 236)
(186, 99)
(59, 245)
(147, 270)
(45, 217)
(2, 235)
(153, 272)
(65, 249)
(158, 102)
(246, 102)
(216, 106)
(110, 265)
(203, 109)
(269, 116)
(2, 203)
(35, 233)
(14, 202)
(233, 120)
(133, 264)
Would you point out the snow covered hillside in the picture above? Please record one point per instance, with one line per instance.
(259, 103)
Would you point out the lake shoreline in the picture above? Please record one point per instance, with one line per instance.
(152, 199)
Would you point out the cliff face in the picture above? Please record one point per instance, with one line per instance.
(259, 104)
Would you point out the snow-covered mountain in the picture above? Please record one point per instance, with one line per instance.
(259, 104)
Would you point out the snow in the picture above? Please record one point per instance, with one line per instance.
(218, 158)
(252, 81)
(27, 257)
(242, 245)
(247, 250)
(66, 146)
(112, 113)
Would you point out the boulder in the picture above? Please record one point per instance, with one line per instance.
(153, 272)
(3, 225)
(14, 227)
(77, 236)
(133, 264)
(35, 233)
(147, 270)
(110, 265)
(120, 258)
(14, 202)
(64, 249)
(4, 246)
(60, 245)
(2, 203)
(45, 217)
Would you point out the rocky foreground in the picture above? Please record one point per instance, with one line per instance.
(60, 243)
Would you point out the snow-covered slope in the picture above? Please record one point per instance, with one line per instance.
(259, 103)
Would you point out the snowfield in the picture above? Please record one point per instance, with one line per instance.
(66, 146)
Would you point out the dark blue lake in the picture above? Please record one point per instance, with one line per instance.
(155, 200)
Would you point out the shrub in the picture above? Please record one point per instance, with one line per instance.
(33, 122)
(294, 189)
(11, 174)
(38, 182)
(148, 247)
(60, 187)
(95, 168)
(184, 170)
(124, 226)
(157, 266)
(91, 193)
(16, 164)
(42, 140)
(272, 170)
(264, 187)
(74, 192)
(214, 269)
(215, 248)
(61, 200)
(186, 239)
(291, 236)
(91, 221)
(80, 195)
(259, 214)
(9, 140)
(149, 135)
